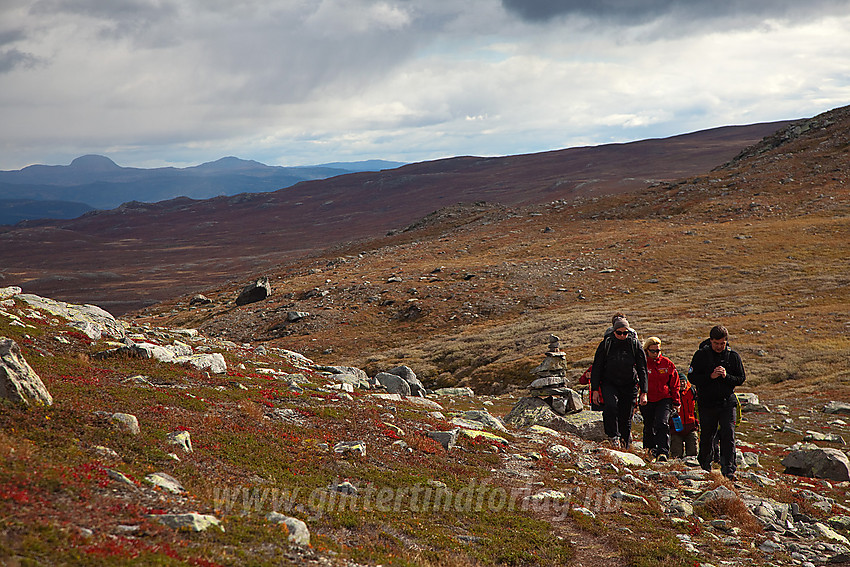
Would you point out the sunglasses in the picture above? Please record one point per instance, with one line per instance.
(621, 333)
(654, 349)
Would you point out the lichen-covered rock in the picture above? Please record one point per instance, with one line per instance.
(182, 439)
(535, 411)
(624, 458)
(125, 422)
(213, 362)
(485, 418)
(190, 522)
(166, 482)
(89, 319)
(18, 381)
(298, 532)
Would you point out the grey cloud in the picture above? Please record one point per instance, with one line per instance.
(627, 12)
(14, 58)
(128, 18)
(11, 36)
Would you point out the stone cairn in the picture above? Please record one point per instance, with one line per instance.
(551, 383)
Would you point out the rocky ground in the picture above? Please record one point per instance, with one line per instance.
(143, 448)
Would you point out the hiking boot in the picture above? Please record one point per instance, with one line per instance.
(614, 442)
(662, 458)
(731, 476)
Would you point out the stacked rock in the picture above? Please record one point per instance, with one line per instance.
(551, 383)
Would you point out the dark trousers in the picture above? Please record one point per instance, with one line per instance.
(683, 445)
(712, 420)
(619, 403)
(656, 426)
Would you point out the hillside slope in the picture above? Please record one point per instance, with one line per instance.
(465, 295)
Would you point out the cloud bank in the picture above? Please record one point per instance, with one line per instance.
(291, 82)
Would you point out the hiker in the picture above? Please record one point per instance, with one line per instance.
(662, 400)
(716, 370)
(617, 378)
(684, 443)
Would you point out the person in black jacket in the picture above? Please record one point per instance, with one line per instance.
(716, 370)
(619, 367)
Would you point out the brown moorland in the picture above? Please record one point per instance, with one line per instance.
(467, 295)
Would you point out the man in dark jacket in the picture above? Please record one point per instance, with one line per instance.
(619, 367)
(716, 370)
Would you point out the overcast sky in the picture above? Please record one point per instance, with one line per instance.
(150, 83)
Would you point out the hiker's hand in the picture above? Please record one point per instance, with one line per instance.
(643, 398)
(718, 372)
(595, 397)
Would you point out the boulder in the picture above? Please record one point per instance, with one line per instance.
(819, 462)
(624, 458)
(294, 316)
(125, 422)
(9, 292)
(166, 482)
(298, 532)
(91, 320)
(182, 439)
(447, 439)
(393, 384)
(200, 299)
(837, 407)
(485, 418)
(719, 493)
(405, 373)
(354, 447)
(18, 381)
(213, 362)
(352, 379)
(255, 291)
(535, 411)
(149, 350)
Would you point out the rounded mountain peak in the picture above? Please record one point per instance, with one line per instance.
(94, 163)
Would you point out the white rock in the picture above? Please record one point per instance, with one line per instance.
(166, 482)
(125, 422)
(298, 532)
(191, 522)
(18, 381)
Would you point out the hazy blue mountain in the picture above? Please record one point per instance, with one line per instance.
(102, 184)
(16, 210)
(368, 165)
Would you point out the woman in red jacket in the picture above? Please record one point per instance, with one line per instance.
(662, 399)
(684, 443)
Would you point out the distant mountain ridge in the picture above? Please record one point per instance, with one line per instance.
(95, 181)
